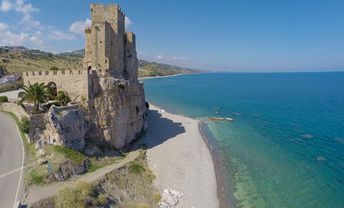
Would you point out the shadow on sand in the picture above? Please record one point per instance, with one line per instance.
(159, 130)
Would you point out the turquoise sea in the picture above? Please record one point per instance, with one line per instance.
(286, 145)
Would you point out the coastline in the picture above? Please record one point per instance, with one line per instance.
(224, 188)
(155, 77)
(179, 155)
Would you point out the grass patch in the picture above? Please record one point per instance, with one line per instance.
(156, 197)
(136, 168)
(75, 197)
(93, 167)
(75, 156)
(36, 178)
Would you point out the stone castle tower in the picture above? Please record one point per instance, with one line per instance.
(108, 86)
(108, 45)
(116, 98)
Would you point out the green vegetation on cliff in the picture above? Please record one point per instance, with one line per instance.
(152, 69)
(129, 186)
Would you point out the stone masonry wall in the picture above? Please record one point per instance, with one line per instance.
(74, 82)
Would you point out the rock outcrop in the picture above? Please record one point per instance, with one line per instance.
(65, 126)
(170, 198)
(67, 169)
(119, 112)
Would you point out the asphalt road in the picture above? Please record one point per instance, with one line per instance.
(11, 160)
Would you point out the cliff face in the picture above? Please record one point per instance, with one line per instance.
(117, 112)
(65, 126)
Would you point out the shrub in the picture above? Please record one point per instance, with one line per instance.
(54, 68)
(25, 124)
(62, 98)
(36, 178)
(136, 168)
(156, 197)
(74, 197)
(75, 156)
(101, 199)
(3, 99)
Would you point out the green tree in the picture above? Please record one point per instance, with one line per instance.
(36, 93)
(54, 68)
(25, 124)
(62, 97)
(3, 99)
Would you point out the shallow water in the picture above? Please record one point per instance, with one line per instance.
(286, 145)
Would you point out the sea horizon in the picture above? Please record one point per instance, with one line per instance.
(259, 72)
(274, 132)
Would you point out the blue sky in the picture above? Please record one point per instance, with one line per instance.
(231, 35)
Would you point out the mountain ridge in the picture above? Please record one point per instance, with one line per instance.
(19, 59)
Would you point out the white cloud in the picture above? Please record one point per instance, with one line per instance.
(5, 6)
(59, 35)
(161, 57)
(9, 38)
(25, 9)
(36, 38)
(128, 22)
(3, 26)
(78, 27)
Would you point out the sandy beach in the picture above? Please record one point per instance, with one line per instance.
(180, 159)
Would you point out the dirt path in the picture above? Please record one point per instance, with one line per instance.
(36, 193)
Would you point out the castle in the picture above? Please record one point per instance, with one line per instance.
(108, 85)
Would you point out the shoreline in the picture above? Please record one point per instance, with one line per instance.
(155, 77)
(224, 190)
(201, 163)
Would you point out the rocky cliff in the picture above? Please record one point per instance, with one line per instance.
(117, 112)
(65, 126)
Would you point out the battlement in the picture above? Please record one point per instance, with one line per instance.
(53, 73)
(130, 37)
(75, 82)
(106, 7)
(107, 13)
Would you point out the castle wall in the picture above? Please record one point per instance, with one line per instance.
(105, 40)
(131, 61)
(74, 82)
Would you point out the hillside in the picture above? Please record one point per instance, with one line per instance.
(19, 59)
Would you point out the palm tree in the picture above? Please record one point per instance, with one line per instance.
(36, 93)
